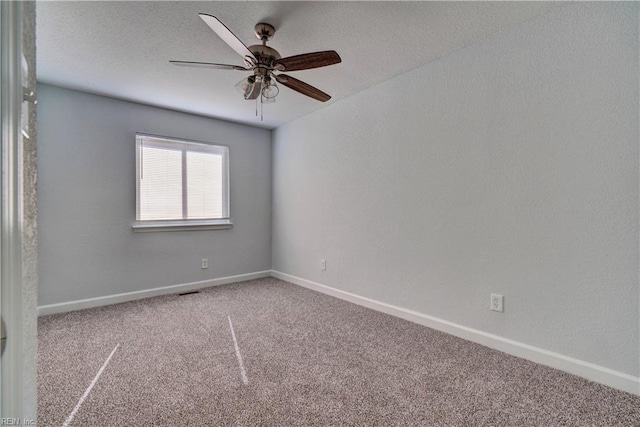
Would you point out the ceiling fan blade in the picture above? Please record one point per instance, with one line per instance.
(302, 87)
(307, 61)
(209, 65)
(225, 34)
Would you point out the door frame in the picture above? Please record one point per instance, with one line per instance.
(11, 214)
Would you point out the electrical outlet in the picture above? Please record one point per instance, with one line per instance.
(205, 263)
(323, 264)
(497, 303)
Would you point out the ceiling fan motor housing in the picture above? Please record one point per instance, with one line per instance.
(266, 52)
(265, 56)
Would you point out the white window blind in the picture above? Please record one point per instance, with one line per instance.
(179, 180)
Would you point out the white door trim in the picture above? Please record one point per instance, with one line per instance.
(11, 387)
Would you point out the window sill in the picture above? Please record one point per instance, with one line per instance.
(190, 225)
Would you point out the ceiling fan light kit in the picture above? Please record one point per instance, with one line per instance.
(263, 61)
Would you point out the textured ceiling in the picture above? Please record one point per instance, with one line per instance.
(122, 49)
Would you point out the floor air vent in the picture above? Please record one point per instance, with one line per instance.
(188, 293)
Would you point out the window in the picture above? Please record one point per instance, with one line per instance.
(181, 184)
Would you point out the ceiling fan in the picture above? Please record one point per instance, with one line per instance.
(264, 61)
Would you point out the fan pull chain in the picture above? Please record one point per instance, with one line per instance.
(261, 107)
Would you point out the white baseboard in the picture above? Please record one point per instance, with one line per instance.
(590, 371)
(147, 293)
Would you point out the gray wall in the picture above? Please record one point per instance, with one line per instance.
(510, 166)
(86, 199)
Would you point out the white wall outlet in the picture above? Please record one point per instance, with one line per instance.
(497, 303)
(205, 263)
(323, 264)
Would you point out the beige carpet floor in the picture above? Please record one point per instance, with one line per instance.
(309, 359)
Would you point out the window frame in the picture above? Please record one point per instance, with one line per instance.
(143, 139)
